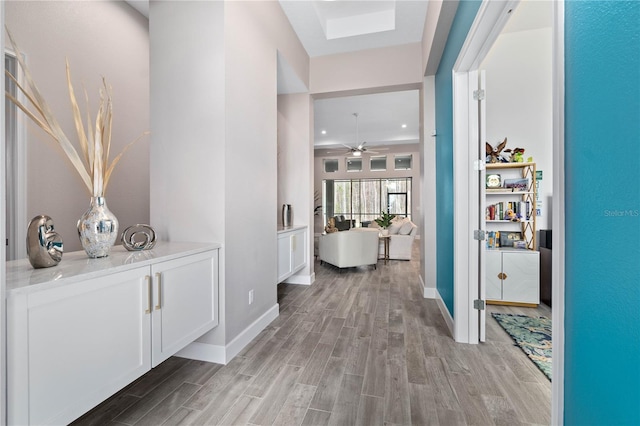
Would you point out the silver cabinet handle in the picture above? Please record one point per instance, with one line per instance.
(159, 283)
(149, 295)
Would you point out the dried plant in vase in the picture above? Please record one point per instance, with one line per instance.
(98, 227)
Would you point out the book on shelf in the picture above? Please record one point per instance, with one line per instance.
(521, 184)
(499, 211)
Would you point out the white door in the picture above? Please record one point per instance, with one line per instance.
(185, 302)
(477, 137)
(284, 256)
(72, 347)
(298, 252)
(521, 282)
(15, 167)
(493, 274)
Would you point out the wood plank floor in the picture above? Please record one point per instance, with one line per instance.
(358, 347)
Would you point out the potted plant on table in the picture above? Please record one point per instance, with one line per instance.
(384, 221)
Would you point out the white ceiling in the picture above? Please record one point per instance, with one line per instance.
(380, 114)
(380, 120)
(330, 27)
(141, 6)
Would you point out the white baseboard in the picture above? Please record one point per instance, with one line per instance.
(302, 279)
(223, 354)
(427, 292)
(444, 311)
(204, 352)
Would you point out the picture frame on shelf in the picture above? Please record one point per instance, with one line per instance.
(508, 238)
(493, 180)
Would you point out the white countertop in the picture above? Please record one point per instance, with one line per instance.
(283, 229)
(77, 266)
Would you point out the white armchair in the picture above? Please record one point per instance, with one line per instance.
(349, 248)
(400, 246)
(402, 232)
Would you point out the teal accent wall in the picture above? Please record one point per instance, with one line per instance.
(465, 15)
(602, 195)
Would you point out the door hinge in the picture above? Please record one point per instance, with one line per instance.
(478, 95)
(478, 234)
(478, 304)
(479, 164)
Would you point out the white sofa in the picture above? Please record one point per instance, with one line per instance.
(346, 249)
(402, 232)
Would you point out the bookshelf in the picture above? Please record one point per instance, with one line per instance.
(512, 262)
(519, 198)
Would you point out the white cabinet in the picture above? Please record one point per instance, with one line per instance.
(184, 302)
(292, 251)
(512, 276)
(79, 332)
(69, 348)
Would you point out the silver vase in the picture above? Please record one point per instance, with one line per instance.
(97, 229)
(287, 215)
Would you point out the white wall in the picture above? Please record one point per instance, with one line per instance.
(83, 32)
(440, 15)
(519, 103)
(428, 264)
(295, 165)
(188, 151)
(251, 140)
(217, 135)
(3, 234)
(373, 68)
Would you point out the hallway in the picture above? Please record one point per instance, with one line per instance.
(361, 346)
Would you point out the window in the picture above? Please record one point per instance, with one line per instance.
(362, 200)
(403, 162)
(330, 165)
(354, 164)
(378, 163)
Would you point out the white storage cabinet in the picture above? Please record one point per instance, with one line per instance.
(512, 276)
(81, 331)
(292, 251)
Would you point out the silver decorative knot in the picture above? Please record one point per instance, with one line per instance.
(138, 237)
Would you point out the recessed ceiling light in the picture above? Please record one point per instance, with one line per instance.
(324, 132)
(404, 126)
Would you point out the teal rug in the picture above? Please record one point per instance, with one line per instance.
(532, 334)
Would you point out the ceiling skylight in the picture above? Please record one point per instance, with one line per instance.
(339, 20)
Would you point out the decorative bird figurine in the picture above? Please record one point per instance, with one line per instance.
(494, 155)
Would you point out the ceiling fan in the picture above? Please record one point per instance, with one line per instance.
(359, 149)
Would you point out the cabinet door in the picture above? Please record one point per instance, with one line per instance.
(185, 302)
(521, 283)
(74, 346)
(298, 250)
(284, 256)
(493, 266)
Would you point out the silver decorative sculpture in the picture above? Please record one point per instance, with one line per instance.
(138, 237)
(44, 244)
(97, 229)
